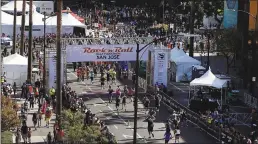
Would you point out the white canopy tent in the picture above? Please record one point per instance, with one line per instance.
(6, 23)
(15, 67)
(68, 23)
(6, 18)
(210, 80)
(176, 52)
(10, 6)
(182, 64)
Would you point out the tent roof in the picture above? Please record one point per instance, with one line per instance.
(176, 53)
(37, 19)
(6, 18)
(67, 20)
(10, 6)
(208, 79)
(186, 59)
(15, 59)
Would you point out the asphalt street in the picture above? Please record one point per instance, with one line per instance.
(121, 123)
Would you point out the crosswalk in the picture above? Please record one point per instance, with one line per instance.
(39, 135)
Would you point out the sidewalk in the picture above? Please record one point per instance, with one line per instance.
(39, 135)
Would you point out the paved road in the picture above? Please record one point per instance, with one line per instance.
(121, 124)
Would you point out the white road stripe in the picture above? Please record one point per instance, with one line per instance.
(100, 110)
(110, 108)
(115, 126)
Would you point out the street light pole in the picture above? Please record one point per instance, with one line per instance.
(58, 61)
(22, 27)
(138, 50)
(191, 27)
(136, 94)
(30, 45)
(14, 25)
(44, 59)
(254, 51)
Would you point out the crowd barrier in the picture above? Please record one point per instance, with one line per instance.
(250, 100)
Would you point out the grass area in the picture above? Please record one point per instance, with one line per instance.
(7, 137)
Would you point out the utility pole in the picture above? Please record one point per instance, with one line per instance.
(136, 94)
(30, 44)
(22, 27)
(58, 60)
(14, 26)
(191, 26)
(44, 59)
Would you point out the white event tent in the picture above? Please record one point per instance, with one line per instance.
(210, 80)
(6, 19)
(10, 6)
(182, 64)
(15, 67)
(68, 23)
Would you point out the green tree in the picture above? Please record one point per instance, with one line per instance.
(228, 43)
(9, 116)
(76, 131)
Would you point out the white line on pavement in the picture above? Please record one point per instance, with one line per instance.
(110, 108)
(177, 88)
(139, 135)
(100, 110)
(115, 126)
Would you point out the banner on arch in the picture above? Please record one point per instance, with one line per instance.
(126, 52)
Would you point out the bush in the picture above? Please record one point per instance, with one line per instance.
(6, 137)
(76, 132)
(9, 115)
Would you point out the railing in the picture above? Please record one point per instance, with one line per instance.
(250, 100)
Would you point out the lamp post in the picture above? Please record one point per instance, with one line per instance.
(14, 26)
(254, 47)
(138, 50)
(44, 53)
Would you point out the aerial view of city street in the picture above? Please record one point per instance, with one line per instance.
(131, 72)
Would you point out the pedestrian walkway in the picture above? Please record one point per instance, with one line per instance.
(39, 135)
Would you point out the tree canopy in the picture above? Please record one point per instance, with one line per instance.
(9, 116)
(228, 42)
(76, 131)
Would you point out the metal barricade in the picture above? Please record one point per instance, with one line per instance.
(250, 100)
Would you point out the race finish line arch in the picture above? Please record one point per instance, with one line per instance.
(103, 49)
(91, 50)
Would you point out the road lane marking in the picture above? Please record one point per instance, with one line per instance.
(177, 88)
(115, 126)
(139, 135)
(127, 136)
(100, 111)
(110, 108)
